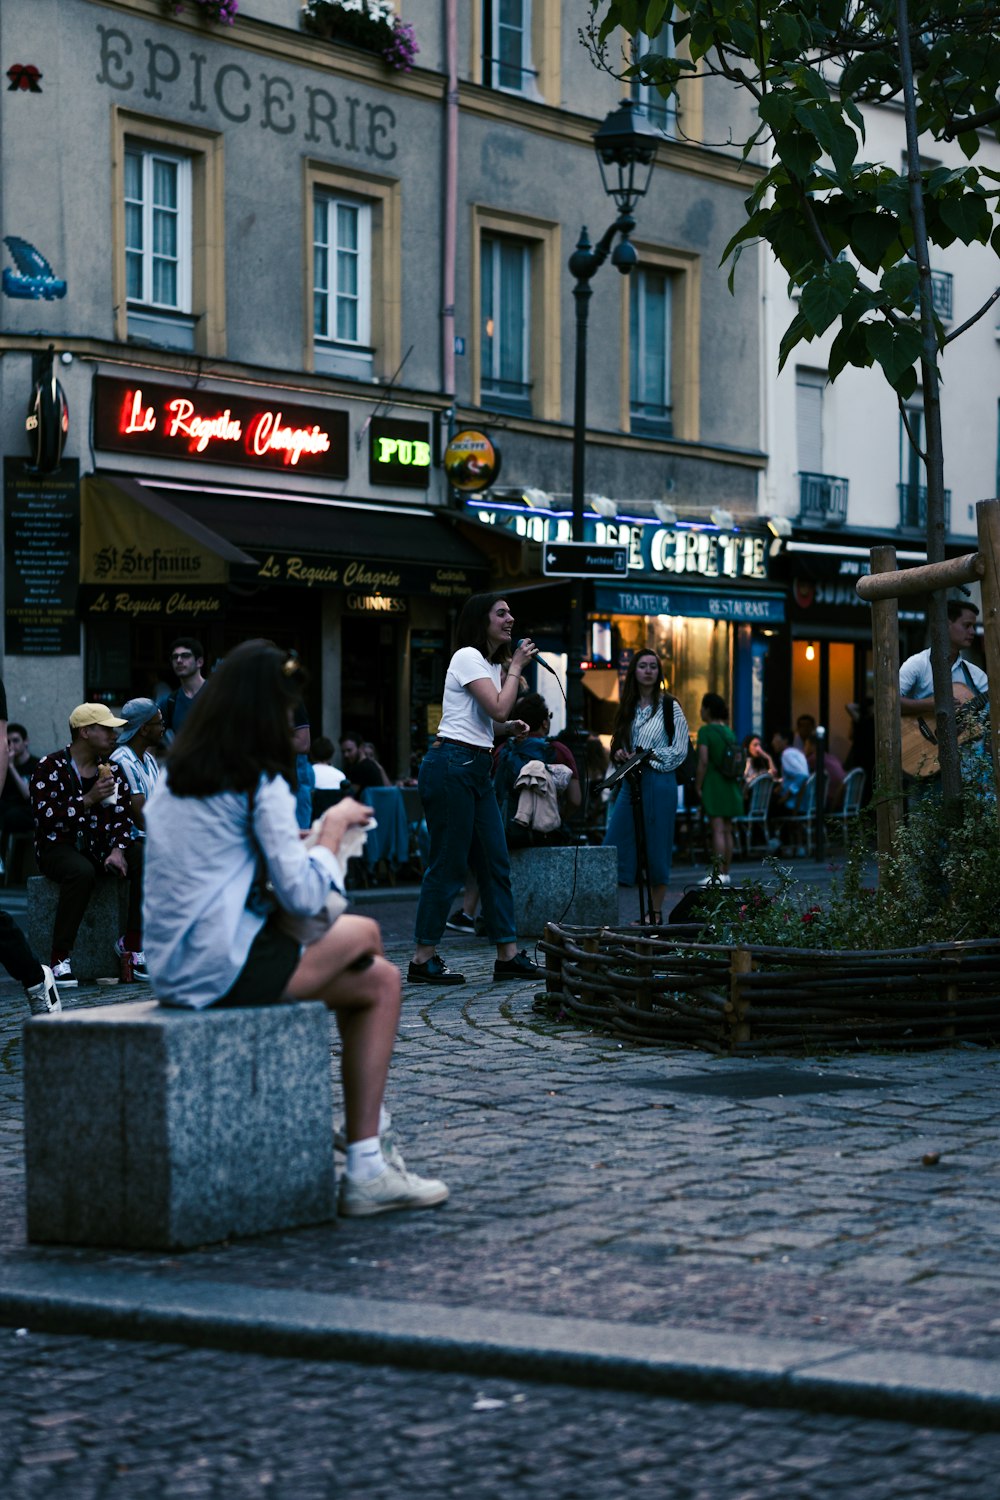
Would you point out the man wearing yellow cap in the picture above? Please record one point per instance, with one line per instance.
(83, 829)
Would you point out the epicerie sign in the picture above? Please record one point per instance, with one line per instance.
(167, 422)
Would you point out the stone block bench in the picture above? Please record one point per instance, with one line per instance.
(159, 1129)
(94, 954)
(574, 884)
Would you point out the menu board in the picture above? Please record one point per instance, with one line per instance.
(41, 559)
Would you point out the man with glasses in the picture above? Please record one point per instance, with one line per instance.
(187, 657)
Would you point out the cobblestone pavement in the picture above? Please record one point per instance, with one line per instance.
(81, 1419)
(607, 1180)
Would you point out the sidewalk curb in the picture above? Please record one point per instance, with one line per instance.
(687, 1364)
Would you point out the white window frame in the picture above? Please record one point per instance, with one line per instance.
(493, 378)
(638, 418)
(331, 293)
(149, 155)
(660, 112)
(526, 84)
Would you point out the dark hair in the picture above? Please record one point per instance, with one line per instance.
(809, 718)
(321, 748)
(621, 732)
(785, 732)
(354, 736)
(717, 708)
(533, 709)
(13, 728)
(958, 607)
(188, 643)
(239, 726)
(472, 624)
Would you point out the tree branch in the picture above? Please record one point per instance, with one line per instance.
(975, 317)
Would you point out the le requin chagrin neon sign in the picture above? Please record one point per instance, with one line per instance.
(264, 435)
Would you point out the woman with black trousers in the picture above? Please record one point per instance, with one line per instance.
(456, 787)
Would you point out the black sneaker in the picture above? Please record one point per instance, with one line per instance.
(459, 922)
(434, 971)
(518, 967)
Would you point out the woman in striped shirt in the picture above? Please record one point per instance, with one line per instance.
(648, 718)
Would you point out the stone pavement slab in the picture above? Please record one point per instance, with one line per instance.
(600, 1180)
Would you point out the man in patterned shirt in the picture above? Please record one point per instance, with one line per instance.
(83, 829)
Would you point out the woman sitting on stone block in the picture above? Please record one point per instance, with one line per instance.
(230, 884)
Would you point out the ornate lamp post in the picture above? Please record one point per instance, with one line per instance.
(626, 151)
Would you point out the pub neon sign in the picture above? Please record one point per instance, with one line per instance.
(264, 435)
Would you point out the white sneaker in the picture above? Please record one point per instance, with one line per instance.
(392, 1189)
(43, 997)
(62, 973)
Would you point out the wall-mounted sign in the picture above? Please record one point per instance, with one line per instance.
(651, 548)
(364, 578)
(41, 559)
(376, 604)
(206, 427)
(143, 603)
(702, 604)
(471, 462)
(399, 453)
(47, 422)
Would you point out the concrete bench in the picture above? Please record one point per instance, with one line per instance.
(103, 924)
(159, 1129)
(576, 884)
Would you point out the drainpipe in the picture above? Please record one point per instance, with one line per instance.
(450, 226)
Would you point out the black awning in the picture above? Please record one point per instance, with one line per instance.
(263, 523)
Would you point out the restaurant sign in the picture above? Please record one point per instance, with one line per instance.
(363, 578)
(399, 453)
(161, 421)
(151, 603)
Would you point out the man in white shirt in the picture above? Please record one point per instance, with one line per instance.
(916, 680)
(329, 778)
(137, 741)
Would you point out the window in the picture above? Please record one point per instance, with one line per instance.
(353, 269)
(658, 111)
(505, 267)
(809, 388)
(168, 234)
(507, 59)
(650, 341)
(158, 245)
(342, 285)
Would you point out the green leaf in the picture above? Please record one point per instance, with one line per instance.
(896, 349)
(967, 216)
(871, 235)
(797, 330)
(824, 297)
(797, 150)
(788, 30)
(655, 11)
(969, 142)
(900, 286)
(849, 348)
(776, 108)
(837, 139)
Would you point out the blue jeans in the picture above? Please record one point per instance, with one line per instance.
(463, 821)
(659, 809)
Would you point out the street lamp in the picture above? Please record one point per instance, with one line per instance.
(626, 151)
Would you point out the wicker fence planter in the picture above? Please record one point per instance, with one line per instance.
(667, 988)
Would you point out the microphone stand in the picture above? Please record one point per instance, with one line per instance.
(631, 771)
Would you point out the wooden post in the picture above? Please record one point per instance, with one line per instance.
(885, 640)
(988, 523)
(740, 963)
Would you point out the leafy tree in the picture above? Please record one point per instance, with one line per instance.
(853, 235)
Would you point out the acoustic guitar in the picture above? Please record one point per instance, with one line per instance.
(918, 739)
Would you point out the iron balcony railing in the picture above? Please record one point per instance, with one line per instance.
(913, 508)
(822, 500)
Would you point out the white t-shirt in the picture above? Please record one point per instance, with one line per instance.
(916, 679)
(328, 778)
(461, 716)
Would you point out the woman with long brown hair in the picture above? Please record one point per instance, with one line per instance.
(225, 870)
(648, 718)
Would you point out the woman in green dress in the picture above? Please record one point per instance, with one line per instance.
(721, 795)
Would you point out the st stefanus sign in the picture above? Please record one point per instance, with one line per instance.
(208, 427)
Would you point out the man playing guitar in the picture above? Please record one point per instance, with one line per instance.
(916, 690)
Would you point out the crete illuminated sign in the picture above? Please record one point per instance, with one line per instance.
(399, 453)
(164, 422)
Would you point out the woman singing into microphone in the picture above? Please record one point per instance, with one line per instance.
(648, 719)
(463, 819)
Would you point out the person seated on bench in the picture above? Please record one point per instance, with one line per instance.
(329, 778)
(15, 799)
(83, 829)
(226, 866)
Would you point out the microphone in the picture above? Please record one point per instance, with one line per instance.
(538, 661)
